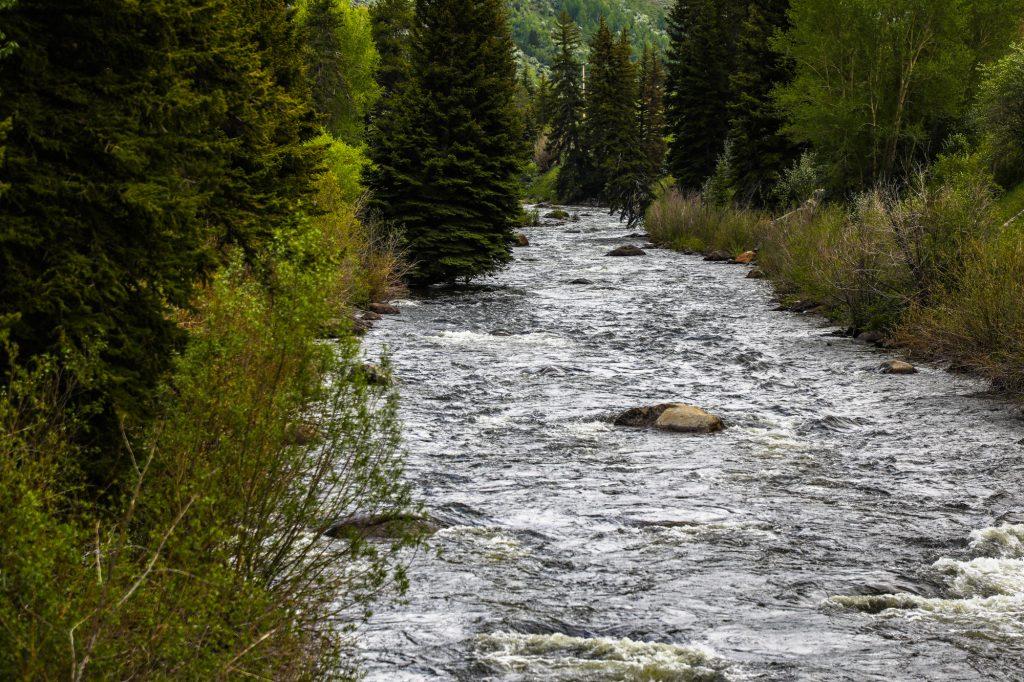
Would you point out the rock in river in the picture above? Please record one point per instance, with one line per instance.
(756, 273)
(629, 250)
(675, 417)
(384, 309)
(718, 257)
(688, 419)
(521, 239)
(897, 367)
(747, 257)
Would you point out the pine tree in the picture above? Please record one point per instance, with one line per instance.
(565, 142)
(702, 36)
(652, 111)
(143, 136)
(627, 181)
(392, 22)
(761, 152)
(447, 148)
(340, 61)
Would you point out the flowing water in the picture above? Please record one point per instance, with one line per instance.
(846, 525)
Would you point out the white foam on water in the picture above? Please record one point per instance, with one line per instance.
(588, 429)
(562, 657)
(1005, 541)
(986, 592)
(475, 339)
(492, 544)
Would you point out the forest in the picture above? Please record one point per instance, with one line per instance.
(205, 204)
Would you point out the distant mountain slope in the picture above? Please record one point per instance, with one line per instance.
(533, 21)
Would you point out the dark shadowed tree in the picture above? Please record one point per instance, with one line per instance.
(447, 149)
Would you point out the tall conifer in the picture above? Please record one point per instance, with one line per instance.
(702, 36)
(761, 151)
(447, 149)
(143, 136)
(566, 110)
(652, 110)
(392, 22)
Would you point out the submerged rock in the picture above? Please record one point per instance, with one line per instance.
(897, 367)
(580, 280)
(756, 273)
(747, 257)
(384, 309)
(372, 316)
(675, 417)
(718, 257)
(628, 250)
(521, 239)
(380, 526)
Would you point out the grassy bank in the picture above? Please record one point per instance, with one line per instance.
(934, 268)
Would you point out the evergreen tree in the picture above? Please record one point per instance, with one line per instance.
(702, 36)
(447, 148)
(602, 111)
(624, 166)
(340, 61)
(652, 111)
(545, 100)
(143, 135)
(760, 151)
(565, 142)
(392, 22)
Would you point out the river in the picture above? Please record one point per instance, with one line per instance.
(847, 525)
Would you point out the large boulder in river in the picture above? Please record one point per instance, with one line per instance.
(521, 239)
(675, 417)
(688, 419)
(747, 257)
(628, 250)
(897, 367)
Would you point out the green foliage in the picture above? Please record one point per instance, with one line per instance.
(701, 57)
(651, 111)
(533, 23)
(800, 181)
(565, 111)
(340, 59)
(719, 189)
(1000, 117)
(760, 151)
(392, 22)
(214, 562)
(447, 150)
(878, 83)
(544, 186)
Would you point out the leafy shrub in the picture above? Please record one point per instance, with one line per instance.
(1000, 117)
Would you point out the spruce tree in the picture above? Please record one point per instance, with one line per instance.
(143, 136)
(702, 36)
(602, 109)
(761, 152)
(652, 111)
(340, 61)
(627, 181)
(447, 149)
(565, 106)
(392, 22)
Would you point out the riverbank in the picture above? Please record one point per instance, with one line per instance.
(936, 274)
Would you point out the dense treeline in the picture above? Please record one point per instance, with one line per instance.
(178, 198)
(603, 121)
(904, 117)
(534, 21)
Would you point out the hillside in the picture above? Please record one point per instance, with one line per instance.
(533, 20)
